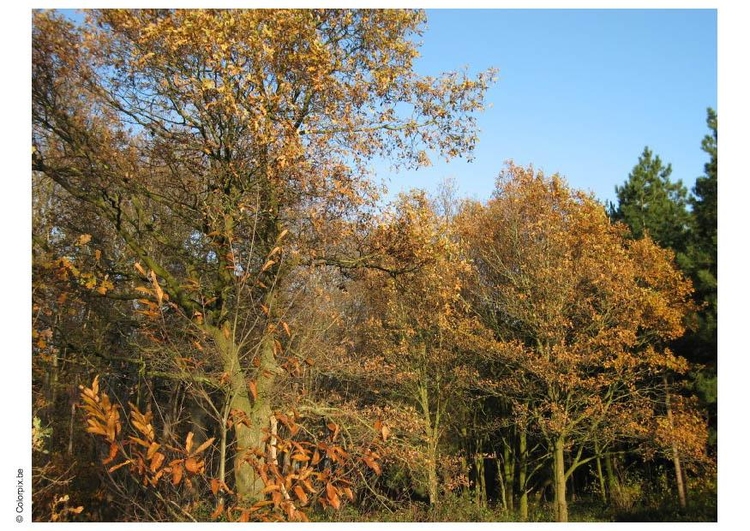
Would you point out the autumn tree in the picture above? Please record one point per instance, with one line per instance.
(76, 331)
(221, 150)
(418, 332)
(582, 314)
(656, 206)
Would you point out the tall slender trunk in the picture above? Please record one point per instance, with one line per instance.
(431, 430)
(523, 454)
(675, 451)
(481, 486)
(509, 472)
(501, 482)
(600, 474)
(561, 504)
(432, 476)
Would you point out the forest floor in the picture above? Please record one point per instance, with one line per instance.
(702, 508)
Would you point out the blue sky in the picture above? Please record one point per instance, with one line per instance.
(580, 92)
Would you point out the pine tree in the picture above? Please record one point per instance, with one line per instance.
(704, 235)
(702, 344)
(650, 202)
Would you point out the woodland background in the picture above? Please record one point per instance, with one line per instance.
(230, 324)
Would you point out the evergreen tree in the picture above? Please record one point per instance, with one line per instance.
(703, 244)
(649, 202)
(702, 344)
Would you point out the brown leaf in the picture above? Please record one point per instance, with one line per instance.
(372, 464)
(189, 442)
(156, 461)
(306, 483)
(333, 496)
(112, 469)
(112, 454)
(157, 288)
(97, 429)
(203, 446)
(176, 474)
(152, 449)
(140, 269)
(218, 511)
(315, 458)
(143, 443)
(267, 265)
(301, 494)
(192, 465)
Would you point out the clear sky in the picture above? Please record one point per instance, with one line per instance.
(580, 92)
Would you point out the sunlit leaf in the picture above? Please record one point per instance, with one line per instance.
(218, 511)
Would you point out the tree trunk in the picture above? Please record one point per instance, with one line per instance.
(501, 483)
(251, 414)
(612, 483)
(675, 451)
(432, 476)
(481, 487)
(431, 430)
(523, 501)
(600, 474)
(561, 504)
(223, 448)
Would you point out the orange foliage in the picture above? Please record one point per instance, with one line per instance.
(581, 313)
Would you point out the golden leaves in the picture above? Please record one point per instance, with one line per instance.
(244, 83)
(157, 288)
(267, 265)
(586, 308)
(139, 268)
(147, 458)
(103, 417)
(332, 496)
(371, 460)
